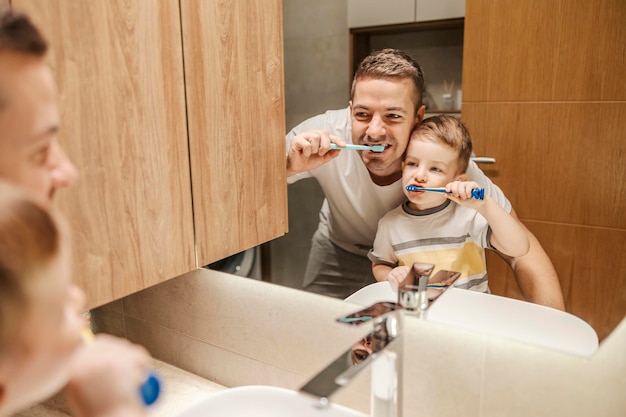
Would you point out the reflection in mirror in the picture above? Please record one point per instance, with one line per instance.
(378, 338)
(311, 89)
(386, 328)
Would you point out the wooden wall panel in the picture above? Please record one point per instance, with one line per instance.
(234, 79)
(119, 69)
(558, 162)
(544, 93)
(591, 264)
(537, 50)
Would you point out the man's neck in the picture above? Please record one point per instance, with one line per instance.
(385, 179)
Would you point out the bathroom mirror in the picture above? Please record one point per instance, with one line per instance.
(317, 78)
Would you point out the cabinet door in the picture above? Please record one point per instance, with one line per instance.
(118, 64)
(426, 10)
(362, 13)
(235, 107)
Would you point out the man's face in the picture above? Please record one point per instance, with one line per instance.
(383, 113)
(30, 155)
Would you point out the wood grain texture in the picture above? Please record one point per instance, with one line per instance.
(538, 50)
(544, 93)
(119, 69)
(590, 262)
(235, 103)
(557, 162)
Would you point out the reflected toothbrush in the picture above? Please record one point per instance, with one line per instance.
(354, 319)
(477, 193)
(353, 147)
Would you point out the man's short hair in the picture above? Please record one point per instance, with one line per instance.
(392, 64)
(19, 34)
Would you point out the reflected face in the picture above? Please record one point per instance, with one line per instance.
(30, 154)
(383, 113)
(362, 350)
(50, 332)
(428, 164)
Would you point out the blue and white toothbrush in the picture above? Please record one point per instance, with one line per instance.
(353, 147)
(477, 193)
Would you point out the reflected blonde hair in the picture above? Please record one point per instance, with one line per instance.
(30, 239)
(449, 131)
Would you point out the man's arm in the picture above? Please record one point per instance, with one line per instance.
(535, 274)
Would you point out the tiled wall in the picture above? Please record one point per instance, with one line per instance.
(238, 331)
(316, 46)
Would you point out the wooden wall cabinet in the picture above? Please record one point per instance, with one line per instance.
(173, 113)
(364, 13)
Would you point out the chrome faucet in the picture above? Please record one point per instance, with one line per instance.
(380, 349)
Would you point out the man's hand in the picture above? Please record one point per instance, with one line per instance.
(311, 149)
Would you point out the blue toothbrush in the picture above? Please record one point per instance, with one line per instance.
(353, 147)
(477, 193)
(151, 387)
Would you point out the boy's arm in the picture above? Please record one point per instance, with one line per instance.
(395, 275)
(380, 271)
(534, 272)
(507, 234)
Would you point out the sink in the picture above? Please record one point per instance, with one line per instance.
(498, 316)
(264, 401)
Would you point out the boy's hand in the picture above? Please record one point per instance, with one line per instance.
(398, 274)
(106, 376)
(461, 193)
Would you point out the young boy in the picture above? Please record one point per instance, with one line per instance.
(41, 325)
(32, 158)
(447, 230)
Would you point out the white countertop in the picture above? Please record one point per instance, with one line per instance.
(179, 389)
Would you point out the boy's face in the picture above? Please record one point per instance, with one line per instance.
(30, 155)
(429, 164)
(50, 333)
(383, 113)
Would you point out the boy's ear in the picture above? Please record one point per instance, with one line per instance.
(461, 177)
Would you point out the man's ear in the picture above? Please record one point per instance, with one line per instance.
(461, 177)
(420, 113)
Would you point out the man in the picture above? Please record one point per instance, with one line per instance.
(385, 105)
(31, 157)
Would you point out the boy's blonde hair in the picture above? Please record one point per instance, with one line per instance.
(30, 238)
(450, 131)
